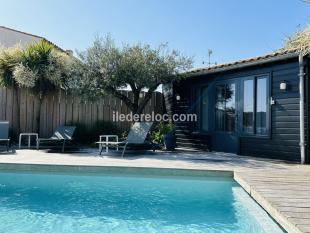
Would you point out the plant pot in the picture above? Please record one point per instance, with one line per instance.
(169, 141)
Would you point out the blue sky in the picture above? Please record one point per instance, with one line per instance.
(233, 29)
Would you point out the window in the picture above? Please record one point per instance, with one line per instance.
(261, 106)
(248, 106)
(225, 107)
(255, 102)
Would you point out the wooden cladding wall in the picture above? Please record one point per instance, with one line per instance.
(21, 109)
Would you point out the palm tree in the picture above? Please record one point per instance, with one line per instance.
(9, 58)
(40, 67)
(42, 70)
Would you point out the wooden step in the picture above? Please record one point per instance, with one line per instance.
(194, 146)
(191, 140)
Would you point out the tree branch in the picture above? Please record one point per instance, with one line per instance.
(122, 97)
(146, 98)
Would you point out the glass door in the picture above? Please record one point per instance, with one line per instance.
(226, 139)
(225, 108)
(241, 109)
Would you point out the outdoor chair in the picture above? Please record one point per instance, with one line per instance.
(62, 134)
(136, 138)
(4, 133)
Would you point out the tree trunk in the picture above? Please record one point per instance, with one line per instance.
(135, 104)
(143, 104)
(145, 100)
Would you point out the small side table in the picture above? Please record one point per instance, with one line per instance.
(107, 140)
(29, 138)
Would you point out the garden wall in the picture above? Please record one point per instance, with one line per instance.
(21, 108)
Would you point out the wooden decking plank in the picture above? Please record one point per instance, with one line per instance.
(294, 209)
(301, 215)
(281, 187)
(304, 228)
(285, 195)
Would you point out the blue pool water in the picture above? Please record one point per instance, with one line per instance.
(70, 203)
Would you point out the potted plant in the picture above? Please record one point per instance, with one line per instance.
(164, 133)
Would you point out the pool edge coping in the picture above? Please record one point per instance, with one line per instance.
(105, 169)
(164, 171)
(266, 205)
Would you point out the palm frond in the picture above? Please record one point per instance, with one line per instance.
(9, 58)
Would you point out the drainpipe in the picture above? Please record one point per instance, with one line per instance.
(302, 109)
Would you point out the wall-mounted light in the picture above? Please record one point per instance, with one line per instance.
(177, 97)
(283, 85)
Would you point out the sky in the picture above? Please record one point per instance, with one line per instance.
(232, 29)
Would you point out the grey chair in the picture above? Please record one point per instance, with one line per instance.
(61, 134)
(137, 136)
(4, 133)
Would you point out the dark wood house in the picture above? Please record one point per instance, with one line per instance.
(248, 107)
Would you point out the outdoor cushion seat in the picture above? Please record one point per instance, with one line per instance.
(135, 139)
(61, 134)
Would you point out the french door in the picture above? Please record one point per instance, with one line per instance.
(226, 117)
(241, 109)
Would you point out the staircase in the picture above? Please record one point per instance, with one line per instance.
(186, 137)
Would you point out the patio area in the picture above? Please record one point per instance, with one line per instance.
(281, 188)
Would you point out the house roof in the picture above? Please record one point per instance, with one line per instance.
(272, 57)
(36, 36)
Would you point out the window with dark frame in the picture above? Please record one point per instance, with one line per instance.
(255, 105)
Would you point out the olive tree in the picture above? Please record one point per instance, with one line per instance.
(106, 69)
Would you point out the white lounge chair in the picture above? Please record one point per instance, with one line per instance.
(136, 137)
(4, 133)
(61, 134)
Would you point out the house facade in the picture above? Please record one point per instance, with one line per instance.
(11, 37)
(249, 107)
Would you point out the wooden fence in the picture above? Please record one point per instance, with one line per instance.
(21, 109)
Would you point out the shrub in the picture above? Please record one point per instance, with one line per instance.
(88, 134)
(160, 130)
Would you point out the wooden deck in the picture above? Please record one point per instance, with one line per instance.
(282, 189)
(285, 195)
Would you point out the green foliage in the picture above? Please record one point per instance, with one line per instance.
(161, 129)
(87, 135)
(36, 55)
(300, 41)
(105, 68)
(40, 67)
(43, 68)
(9, 59)
(124, 135)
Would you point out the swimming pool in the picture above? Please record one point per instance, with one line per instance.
(41, 202)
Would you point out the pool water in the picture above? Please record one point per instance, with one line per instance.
(73, 203)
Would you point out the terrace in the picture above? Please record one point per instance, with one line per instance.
(281, 188)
